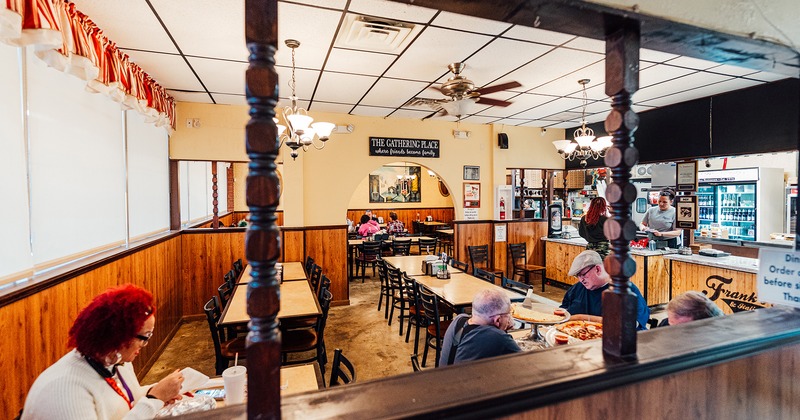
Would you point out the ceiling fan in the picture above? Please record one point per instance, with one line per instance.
(461, 94)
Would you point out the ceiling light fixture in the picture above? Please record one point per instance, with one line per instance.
(301, 131)
(585, 145)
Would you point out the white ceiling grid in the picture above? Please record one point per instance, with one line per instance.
(196, 50)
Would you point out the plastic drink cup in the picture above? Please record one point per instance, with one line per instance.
(235, 380)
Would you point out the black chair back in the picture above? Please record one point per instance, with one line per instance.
(428, 246)
(484, 275)
(516, 286)
(478, 257)
(430, 307)
(459, 265)
(309, 264)
(342, 371)
(316, 274)
(324, 285)
(225, 291)
(401, 247)
(518, 254)
(213, 313)
(230, 278)
(238, 267)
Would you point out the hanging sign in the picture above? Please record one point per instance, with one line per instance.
(388, 146)
(686, 212)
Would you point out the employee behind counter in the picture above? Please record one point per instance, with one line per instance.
(660, 221)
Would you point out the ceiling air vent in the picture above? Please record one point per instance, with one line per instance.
(374, 34)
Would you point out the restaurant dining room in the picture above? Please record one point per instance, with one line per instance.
(399, 209)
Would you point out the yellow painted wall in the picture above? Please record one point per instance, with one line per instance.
(320, 185)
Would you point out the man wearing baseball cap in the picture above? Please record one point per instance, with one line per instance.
(586, 296)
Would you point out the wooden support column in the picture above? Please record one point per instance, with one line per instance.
(214, 196)
(622, 80)
(174, 197)
(262, 241)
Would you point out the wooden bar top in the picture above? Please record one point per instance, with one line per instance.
(460, 288)
(412, 264)
(297, 300)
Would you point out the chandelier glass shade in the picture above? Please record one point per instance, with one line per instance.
(585, 145)
(299, 129)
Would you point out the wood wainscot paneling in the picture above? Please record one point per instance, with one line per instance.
(732, 290)
(327, 245)
(206, 255)
(36, 327)
(655, 269)
(471, 234)
(528, 231)
(406, 215)
(558, 261)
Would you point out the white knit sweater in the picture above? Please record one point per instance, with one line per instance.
(71, 389)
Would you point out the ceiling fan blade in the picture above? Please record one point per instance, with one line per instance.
(493, 102)
(439, 113)
(497, 88)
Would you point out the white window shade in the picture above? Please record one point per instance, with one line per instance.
(183, 186)
(222, 187)
(15, 251)
(148, 177)
(76, 167)
(199, 174)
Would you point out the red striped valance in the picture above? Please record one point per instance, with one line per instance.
(69, 41)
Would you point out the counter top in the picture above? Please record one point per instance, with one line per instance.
(748, 265)
(775, 243)
(633, 251)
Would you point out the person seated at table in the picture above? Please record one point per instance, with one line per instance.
(95, 380)
(585, 298)
(395, 226)
(368, 226)
(483, 334)
(690, 306)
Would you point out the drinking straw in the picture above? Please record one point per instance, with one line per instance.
(236, 359)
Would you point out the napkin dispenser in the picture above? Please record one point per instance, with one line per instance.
(434, 267)
(426, 268)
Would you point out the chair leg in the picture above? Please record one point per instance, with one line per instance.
(400, 317)
(425, 352)
(408, 328)
(416, 340)
(438, 349)
(391, 312)
(386, 310)
(380, 299)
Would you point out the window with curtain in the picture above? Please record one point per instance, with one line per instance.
(148, 177)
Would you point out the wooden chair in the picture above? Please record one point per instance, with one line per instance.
(436, 327)
(479, 258)
(415, 363)
(341, 376)
(401, 247)
(445, 242)
(224, 351)
(518, 255)
(517, 287)
(399, 299)
(484, 275)
(368, 254)
(428, 246)
(385, 294)
(459, 265)
(308, 339)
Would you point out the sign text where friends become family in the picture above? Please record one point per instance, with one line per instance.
(387, 146)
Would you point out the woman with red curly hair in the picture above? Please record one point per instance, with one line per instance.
(591, 226)
(96, 380)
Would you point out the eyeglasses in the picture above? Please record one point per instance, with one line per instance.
(145, 338)
(584, 272)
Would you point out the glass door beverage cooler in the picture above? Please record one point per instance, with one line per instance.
(741, 204)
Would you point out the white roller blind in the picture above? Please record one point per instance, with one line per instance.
(76, 166)
(183, 186)
(15, 250)
(148, 176)
(199, 174)
(222, 187)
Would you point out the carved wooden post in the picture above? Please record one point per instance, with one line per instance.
(262, 243)
(622, 80)
(214, 196)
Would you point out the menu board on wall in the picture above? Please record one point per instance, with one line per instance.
(389, 146)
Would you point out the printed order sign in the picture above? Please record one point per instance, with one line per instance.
(384, 146)
(779, 277)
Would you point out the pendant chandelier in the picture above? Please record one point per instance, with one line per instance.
(585, 145)
(300, 129)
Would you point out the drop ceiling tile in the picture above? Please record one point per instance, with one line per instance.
(305, 81)
(498, 58)
(655, 56)
(692, 63)
(170, 71)
(194, 97)
(225, 99)
(411, 113)
(590, 119)
(335, 4)
(315, 29)
(700, 92)
(476, 119)
(565, 125)
(568, 85)
(512, 121)
(553, 65)
(220, 76)
(767, 77)
(564, 116)
(638, 108)
(203, 27)
(358, 62)
(550, 108)
(331, 107)
(470, 23)
(342, 87)
(284, 102)
(392, 92)
(595, 107)
(660, 73)
(731, 70)
(392, 10)
(587, 44)
(526, 33)
(426, 59)
(692, 81)
(139, 29)
(534, 123)
(372, 111)
(520, 103)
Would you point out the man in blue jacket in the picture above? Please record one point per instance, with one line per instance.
(586, 296)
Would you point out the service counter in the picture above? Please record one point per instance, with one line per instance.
(651, 277)
(730, 282)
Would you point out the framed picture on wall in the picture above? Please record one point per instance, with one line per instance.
(472, 194)
(472, 173)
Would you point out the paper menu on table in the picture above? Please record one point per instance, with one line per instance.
(192, 379)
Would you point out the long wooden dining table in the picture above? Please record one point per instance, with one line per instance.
(294, 380)
(412, 264)
(297, 301)
(292, 271)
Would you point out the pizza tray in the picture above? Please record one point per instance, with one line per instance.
(548, 309)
